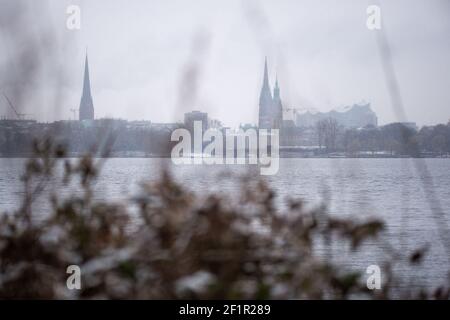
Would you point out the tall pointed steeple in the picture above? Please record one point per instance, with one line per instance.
(277, 112)
(86, 111)
(266, 75)
(265, 100)
(276, 89)
(86, 82)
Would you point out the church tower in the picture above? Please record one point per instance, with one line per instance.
(86, 111)
(277, 107)
(265, 101)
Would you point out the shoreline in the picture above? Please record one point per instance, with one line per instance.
(122, 156)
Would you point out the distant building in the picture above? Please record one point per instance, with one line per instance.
(215, 124)
(270, 108)
(288, 123)
(139, 124)
(86, 111)
(297, 127)
(247, 126)
(356, 116)
(190, 117)
(110, 123)
(17, 124)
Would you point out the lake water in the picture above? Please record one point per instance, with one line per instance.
(411, 195)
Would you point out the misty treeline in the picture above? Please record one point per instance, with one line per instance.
(80, 138)
(395, 139)
(168, 242)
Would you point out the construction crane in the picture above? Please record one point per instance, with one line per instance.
(20, 116)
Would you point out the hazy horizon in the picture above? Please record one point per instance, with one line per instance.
(155, 60)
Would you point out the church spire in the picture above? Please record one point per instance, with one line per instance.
(276, 90)
(265, 100)
(277, 114)
(266, 76)
(86, 111)
(86, 82)
(265, 96)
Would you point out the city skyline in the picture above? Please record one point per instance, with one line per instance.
(141, 70)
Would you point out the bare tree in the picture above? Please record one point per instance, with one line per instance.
(327, 131)
(320, 130)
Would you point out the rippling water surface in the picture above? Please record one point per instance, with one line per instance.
(401, 191)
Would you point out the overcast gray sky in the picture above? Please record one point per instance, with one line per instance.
(157, 59)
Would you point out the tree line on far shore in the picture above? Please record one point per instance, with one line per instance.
(393, 139)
